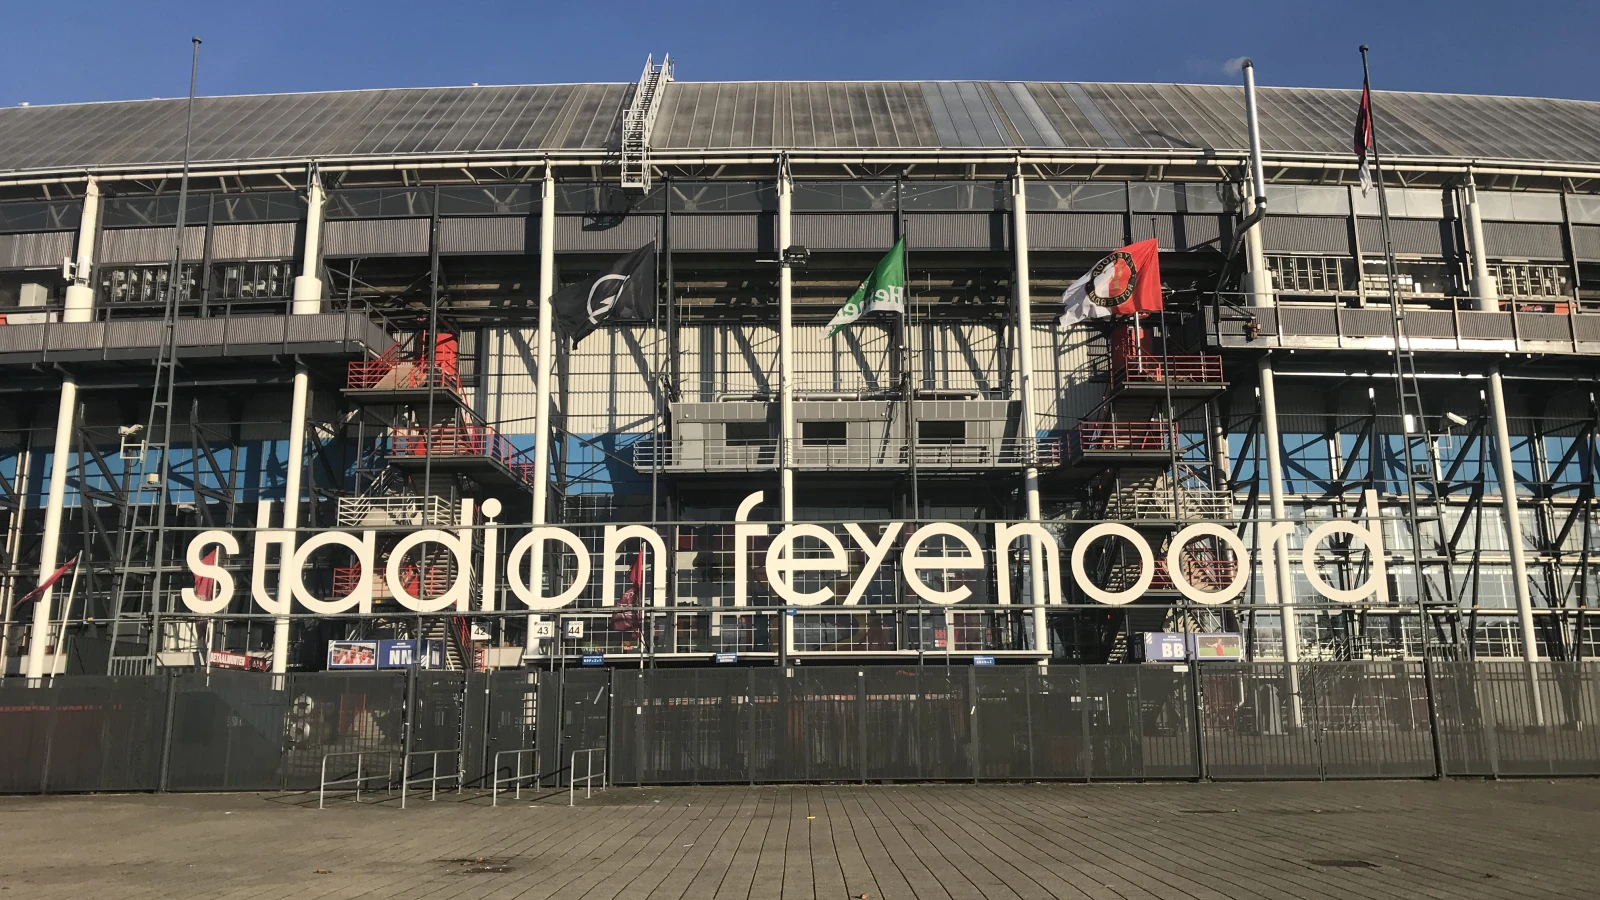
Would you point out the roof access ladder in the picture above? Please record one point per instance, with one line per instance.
(636, 122)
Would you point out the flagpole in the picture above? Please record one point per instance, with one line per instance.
(66, 615)
(909, 389)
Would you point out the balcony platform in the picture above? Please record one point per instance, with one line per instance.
(476, 451)
(1334, 327)
(347, 333)
(1094, 446)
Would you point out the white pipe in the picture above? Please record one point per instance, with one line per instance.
(79, 305)
(1485, 291)
(543, 364)
(307, 286)
(1258, 280)
(291, 514)
(786, 373)
(50, 544)
(1029, 430)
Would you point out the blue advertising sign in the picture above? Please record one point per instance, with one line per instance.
(1166, 646)
(401, 654)
(594, 659)
(983, 660)
(727, 657)
(433, 655)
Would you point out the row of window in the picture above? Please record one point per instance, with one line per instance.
(834, 434)
(124, 285)
(761, 196)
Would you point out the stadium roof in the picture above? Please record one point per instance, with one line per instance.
(873, 116)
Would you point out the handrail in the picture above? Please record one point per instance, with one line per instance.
(359, 779)
(589, 774)
(433, 778)
(515, 780)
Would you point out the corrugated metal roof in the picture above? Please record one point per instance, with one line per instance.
(790, 115)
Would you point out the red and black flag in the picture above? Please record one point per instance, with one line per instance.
(1363, 138)
(48, 583)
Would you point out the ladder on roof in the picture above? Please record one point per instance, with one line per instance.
(637, 121)
(142, 525)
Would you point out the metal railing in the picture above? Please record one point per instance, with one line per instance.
(1147, 369)
(515, 780)
(684, 454)
(1107, 438)
(589, 774)
(358, 780)
(461, 440)
(433, 778)
(401, 374)
(404, 509)
(419, 581)
(1159, 503)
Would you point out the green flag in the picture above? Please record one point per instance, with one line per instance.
(884, 289)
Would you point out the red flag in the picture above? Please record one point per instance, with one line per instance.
(629, 621)
(206, 588)
(46, 584)
(1126, 282)
(1363, 137)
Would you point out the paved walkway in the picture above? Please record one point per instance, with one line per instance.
(1203, 841)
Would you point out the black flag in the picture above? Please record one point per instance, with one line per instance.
(626, 292)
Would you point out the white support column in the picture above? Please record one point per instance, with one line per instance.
(1029, 428)
(1486, 297)
(543, 363)
(1258, 280)
(79, 307)
(293, 467)
(1508, 507)
(49, 548)
(307, 286)
(1283, 584)
(786, 373)
(307, 301)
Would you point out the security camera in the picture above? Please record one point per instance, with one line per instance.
(1455, 419)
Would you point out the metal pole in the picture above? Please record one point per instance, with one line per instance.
(545, 350)
(786, 373)
(786, 379)
(432, 362)
(1026, 432)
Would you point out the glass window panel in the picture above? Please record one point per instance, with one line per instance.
(723, 196)
(40, 215)
(266, 206)
(960, 196)
(149, 211)
(1584, 208)
(1217, 197)
(487, 200)
(1530, 207)
(379, 203)
(1322, 200)
(1405, 203)
(1077, 196)
(1153, 197)
(1495, 205)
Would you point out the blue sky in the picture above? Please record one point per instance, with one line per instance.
(116, 50)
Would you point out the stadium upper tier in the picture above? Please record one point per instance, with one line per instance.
(899, 118)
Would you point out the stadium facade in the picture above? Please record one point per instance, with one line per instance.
(353, 347)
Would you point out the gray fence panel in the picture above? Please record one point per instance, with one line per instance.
(337, 712)
(83, 733)
(228, 731)
(1251, 726)
(512, 715)
(575, 712)
(1370, 720)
